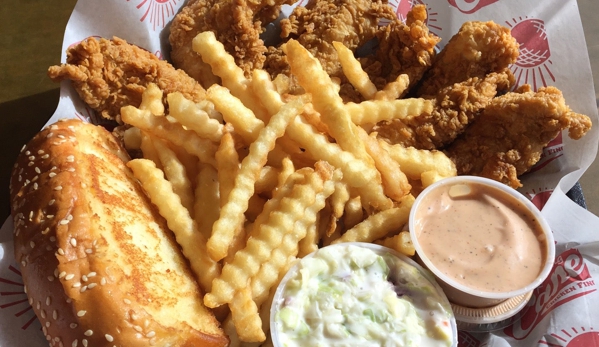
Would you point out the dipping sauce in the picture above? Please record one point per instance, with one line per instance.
(481, 237)
(349, 295)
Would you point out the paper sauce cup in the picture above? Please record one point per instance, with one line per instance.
(456, 291)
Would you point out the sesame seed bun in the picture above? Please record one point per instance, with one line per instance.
(100, 266)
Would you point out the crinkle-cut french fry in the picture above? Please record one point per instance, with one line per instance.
(207, 199)
(234, 112)
(192, 242)
(333, 235)
(310, 242)
(148, 150)
(176, 174)
(227, 165)
(356, 172)
(231, 216)
(395, 182)
(231, 332)
(352, 69)
(394, 89)
(255, 207)
(244, 313)
(269, 272)
(267, 180)
(264, 238)
(174, 132)
(194, 118)
(132, 139)
(354, 213)
(380, 224)
(414, 162)
(339, 198)
(401, 242)
(151, 100)
(208, 107)
(374, 111)
(223, 65)
(429, 177)
(315, 81)
(287, 168)
(189, 161)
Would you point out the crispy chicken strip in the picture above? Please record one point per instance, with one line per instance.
(402, 49)
(321, 22)
(237, 24)
(110, 74)
(476, 50)
(455, 107)
(508, 138)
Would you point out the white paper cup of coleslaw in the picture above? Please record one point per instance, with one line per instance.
(358, 294)
(484, 241)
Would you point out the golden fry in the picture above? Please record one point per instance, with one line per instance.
(374, 111)
(414, 162)
(352, 69)
(194, 118)
(192, 242)
(207, 200)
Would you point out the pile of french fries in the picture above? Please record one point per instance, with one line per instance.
(251, 178)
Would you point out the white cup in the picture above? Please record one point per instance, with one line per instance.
(457, 292)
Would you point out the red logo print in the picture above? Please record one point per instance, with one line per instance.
(574, 337)
(402, 7)
(539, 197)
(470, 6)
(532, 66)
(157, 12)
(14, 297)
(466, 339)
(569, 279)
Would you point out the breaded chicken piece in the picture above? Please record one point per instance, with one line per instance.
(476, 50)
(237, 24)
(508, 138)
(321, 22)
(403, 48)
(455, 107)
(110, 74)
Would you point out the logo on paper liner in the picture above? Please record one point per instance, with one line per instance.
(470, 6)
(157, 12)
(573, 337)
(13, 290)
(533, 64)
(569, 280)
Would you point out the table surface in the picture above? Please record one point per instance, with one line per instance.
(31, 41)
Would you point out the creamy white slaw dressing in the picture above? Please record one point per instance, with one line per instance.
(348, 295)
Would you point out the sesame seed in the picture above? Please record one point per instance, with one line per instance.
(138, 335)
(38, 305)
(50, 278)
(52, 174)
(83, 289)
(51, 202)
(49, 135)
(64, 222)
(45, 156)
(109, 338)
(30, 301)
(127, 301)
(56, 272)
(30, 163)
(68, 300)
(71, 169)
(84, 278)
(103, 281)
(35, 186)
(62, 274)
(137, 328)
(84, 342)
(73, 325)
(70, 158)
(151, 334)
(58, 188)
(75, 343)
(76, 285)
(52, 238)
(23, 263)
(31, 157)
(73, 240)
(47, 324)
(23, 148)
(60, 136)
(37, 170)
(43, 314)
(48, 301)
(54, 314)
(81, 313)
(89, 251)
(88, 332)
(69, 277)
(91, 274)
(91, 285)
(46, 332)
(32, 244)
(60, 251)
